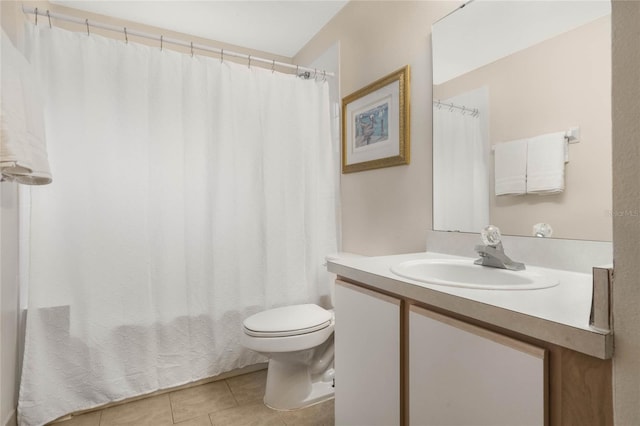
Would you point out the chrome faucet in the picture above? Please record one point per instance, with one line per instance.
(492, 253)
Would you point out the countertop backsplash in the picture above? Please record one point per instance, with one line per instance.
(569, 255)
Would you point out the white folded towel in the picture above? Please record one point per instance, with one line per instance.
(511, 167)
(23, 151)
(545, 164)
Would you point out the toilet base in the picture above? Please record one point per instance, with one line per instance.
(291, 386)
(320, 392)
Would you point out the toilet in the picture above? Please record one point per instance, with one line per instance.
(298, 340)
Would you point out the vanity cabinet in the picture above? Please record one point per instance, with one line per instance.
(460, 374)
(367, 357)
(400, 361)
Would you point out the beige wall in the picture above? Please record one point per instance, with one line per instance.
(552, 86)
(626, 202)
(386, 210)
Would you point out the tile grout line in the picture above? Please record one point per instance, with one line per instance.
(232, 394)
(173, 417)
(281, 418)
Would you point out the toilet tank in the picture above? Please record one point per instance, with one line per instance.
(332, 277)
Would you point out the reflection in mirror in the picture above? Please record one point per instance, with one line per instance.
(511, 78)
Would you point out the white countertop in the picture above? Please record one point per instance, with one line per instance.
(558, 315)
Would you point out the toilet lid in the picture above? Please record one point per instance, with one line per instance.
(288, 321)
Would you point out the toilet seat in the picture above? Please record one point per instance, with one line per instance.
(288, 321)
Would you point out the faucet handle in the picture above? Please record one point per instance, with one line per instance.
(491, 235)
(542, 230)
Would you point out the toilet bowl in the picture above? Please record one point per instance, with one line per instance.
(298, 340)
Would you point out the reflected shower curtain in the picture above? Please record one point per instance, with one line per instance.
(189, 194)
(460, 172)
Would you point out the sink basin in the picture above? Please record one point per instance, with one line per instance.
(463, 273)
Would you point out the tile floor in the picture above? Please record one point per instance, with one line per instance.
(236, 401)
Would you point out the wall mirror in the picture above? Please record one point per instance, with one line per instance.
(506, 71)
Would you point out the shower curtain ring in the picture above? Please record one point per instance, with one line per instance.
(126, 36)
(249, 63)
(161, 41)
(86, 21)
(36, 13)
(49, 16)
(297, 70)
(315, 72)
(324, 75)
(273, 66)
(192, 49)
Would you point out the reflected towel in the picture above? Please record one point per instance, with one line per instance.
(23, 152)
(546, 156)
(511, 167)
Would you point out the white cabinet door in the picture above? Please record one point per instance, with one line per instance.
(367, 357)
(464, 375)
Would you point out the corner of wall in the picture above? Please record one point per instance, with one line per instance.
(9, 300)
(626, 207)
(11, 23)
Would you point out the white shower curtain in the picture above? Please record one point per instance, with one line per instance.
(189, 194)
(460, 172)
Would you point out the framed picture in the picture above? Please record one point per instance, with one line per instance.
(375, 124)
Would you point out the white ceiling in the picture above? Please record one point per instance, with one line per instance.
(278, 27)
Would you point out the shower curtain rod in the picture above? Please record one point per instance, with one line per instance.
(451, 106)
(301, 71)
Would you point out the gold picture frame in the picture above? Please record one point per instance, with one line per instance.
(375, 124)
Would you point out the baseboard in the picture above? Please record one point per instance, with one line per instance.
(11, 419)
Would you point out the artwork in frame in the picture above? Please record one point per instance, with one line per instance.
(375, 124)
